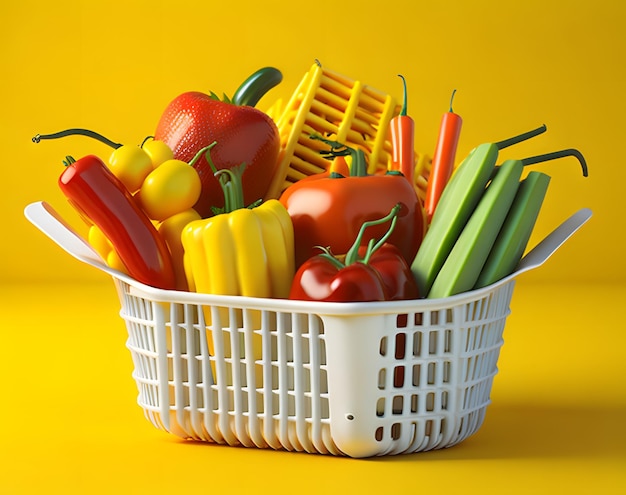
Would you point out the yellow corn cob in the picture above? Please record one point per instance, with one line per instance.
(423, 165)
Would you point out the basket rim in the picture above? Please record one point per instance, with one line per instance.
(139, 289)
(44, 217)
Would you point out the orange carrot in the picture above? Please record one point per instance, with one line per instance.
(443, 158)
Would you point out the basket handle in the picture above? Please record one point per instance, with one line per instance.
(552, 242)
(45, 218)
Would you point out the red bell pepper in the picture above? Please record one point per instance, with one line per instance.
(378, 272)
(328, 209)
(103, 200)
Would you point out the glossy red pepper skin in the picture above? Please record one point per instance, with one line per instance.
(328, 212)
(385, 277)
(243, 134)
(103, 200)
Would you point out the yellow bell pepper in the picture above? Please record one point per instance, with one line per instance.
(243, 251)
(171, 230)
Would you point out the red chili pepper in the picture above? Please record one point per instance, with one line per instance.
(376, 273)
(328, 209)
(402, 129)
(443, 159)
(102, 199)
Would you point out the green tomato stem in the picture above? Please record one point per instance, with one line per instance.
(204, 151)
(327, 255)
(230, 180)
(353, 254)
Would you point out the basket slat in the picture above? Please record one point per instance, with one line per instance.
(361, 384)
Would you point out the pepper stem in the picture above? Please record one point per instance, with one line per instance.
(358, 167)
(558, 154)
(326, 254)
(69, 160)
(256, 86)
(231, 183)
(204, 151)
(451, 99)
(403, 111)
(77, 132)
(353, 253)
(521, 137)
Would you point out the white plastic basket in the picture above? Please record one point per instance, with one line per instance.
(355, 379)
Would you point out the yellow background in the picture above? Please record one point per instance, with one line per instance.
(67, 416)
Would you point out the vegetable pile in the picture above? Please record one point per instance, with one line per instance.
(324, 199)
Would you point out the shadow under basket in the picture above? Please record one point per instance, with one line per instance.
(355, 379)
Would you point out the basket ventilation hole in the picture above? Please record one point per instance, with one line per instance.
(398, 377)
(419, 319)
(417, 343)
(432, 346)
(397, 404)
(402, 321)
(430, 402)
(416, 375)
(431, 373)
(382, 376)
(396, 431)
(378, 435)
(400, 345)
(383, 346)
(380, 407)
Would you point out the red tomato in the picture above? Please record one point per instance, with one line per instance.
(243, 134)
(385, 277)
(320, 280)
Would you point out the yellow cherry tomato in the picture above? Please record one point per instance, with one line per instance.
(172, 187)
(158, 151)
(131, 165)
(115, 262)
(99, 241)
(104, 248)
